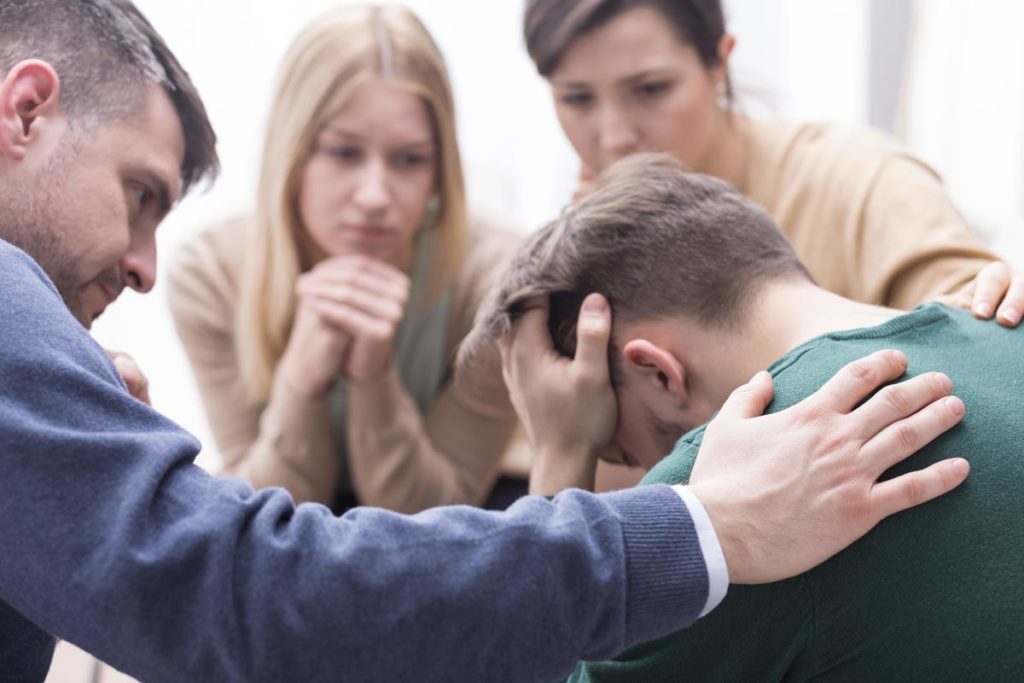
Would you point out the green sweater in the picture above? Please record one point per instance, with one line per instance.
(933, 594)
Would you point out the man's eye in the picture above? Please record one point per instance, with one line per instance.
(142, 196)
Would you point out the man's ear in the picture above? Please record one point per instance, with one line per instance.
(29, 95)
(659, 374)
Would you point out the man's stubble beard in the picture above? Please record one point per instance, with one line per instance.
(30, 220)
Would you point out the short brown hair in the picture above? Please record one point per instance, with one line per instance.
(656, 241)
(105, 53)
(550, 27)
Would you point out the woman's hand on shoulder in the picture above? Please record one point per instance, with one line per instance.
(362, 301)
(997, 290)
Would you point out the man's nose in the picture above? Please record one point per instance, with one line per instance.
(138, 266)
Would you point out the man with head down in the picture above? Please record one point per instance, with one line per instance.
(706, 291)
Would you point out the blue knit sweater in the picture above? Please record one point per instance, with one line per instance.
(113, 540)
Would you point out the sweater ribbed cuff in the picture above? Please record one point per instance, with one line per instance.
(667, 580)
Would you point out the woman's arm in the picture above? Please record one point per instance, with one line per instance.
(405, 460)
(924, 249)
(290, 441)
(913, 245)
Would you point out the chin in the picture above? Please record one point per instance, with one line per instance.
(79, 313)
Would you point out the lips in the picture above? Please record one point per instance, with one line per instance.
(109, 292)
(370, 231)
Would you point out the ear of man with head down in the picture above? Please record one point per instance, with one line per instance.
(680, 257)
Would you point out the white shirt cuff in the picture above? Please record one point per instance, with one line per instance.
(718, 572)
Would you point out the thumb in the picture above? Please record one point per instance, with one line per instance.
(138, 385)
(593, 330)
(750, 399)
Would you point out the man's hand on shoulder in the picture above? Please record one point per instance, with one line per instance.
(787, 491)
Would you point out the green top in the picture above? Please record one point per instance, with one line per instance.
(932, 594)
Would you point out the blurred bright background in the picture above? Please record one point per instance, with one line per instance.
(946, 76)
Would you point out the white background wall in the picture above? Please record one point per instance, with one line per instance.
(801, 59)
(963, 110)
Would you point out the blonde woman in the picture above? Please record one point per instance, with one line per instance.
(321, 327)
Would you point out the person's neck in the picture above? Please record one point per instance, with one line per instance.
(726, 157)
(783, 317)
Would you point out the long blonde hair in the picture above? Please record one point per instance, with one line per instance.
(323, 68)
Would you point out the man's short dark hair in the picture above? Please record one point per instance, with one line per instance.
(105, 53)
(656, 241)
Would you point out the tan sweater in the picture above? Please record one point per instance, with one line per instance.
(869, 220)
(450, 455)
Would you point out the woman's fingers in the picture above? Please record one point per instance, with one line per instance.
(352, 321)
(369, 303)
(990, 287)
(359, 272)
(1011, 310)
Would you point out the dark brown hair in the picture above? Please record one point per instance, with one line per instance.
(105, 53)
(551, 26)
(656, 241)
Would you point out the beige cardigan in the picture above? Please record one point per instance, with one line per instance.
(869, 220)
(450, 455)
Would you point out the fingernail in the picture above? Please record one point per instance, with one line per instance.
(1010, 316)
(945, 383)
(955, 405)
(983, 310)
(900, 357)
(961, 467)
(595, 304)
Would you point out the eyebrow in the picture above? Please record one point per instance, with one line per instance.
(635, 78)
(341, 132)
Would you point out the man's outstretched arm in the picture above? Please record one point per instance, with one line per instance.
(116, 542)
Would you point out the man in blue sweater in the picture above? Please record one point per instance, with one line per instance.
(113, 540)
